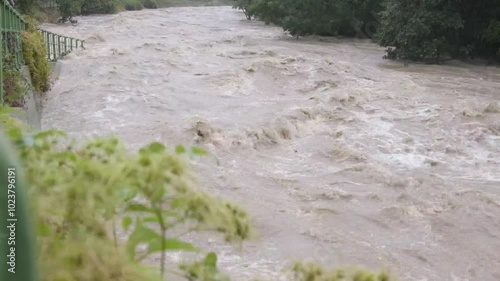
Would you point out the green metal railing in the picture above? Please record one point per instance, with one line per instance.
(58, 45)
(11, 26)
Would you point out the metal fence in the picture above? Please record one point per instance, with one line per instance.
(58, 45)
(11, 26)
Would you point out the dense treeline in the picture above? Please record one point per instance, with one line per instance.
(421, 30)
(70, 8)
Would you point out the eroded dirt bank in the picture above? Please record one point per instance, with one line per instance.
(339, 156)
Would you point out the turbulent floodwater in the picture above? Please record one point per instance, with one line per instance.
(338, 155)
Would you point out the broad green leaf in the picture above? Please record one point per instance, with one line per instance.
(126, 222)
(198, 151)
(10, 110)
(170, 245)
(211, 260)
(156, 147)
(126, 194)
(158, 194)
(180, 149)
(140, 235)
(178, 203)
(151, 219)
(136, 207)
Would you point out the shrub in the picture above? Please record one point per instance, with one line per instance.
(300, 18)
(245, 6)
(132, 5)
(35, 57)
(430, 29)
(68, 8)
(89, 7)
(313, 272)
(150, 4)
(78, 192)
(492, 38)
(14, 84)
(151, 191)
(419, 30)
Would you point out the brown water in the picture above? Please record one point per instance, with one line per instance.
(339, 156)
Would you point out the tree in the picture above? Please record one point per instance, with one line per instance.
(429, 30)
(245, 6)
(321, 17)
(419, 30)
(68, 8)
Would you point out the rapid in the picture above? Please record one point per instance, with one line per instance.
(339, 156)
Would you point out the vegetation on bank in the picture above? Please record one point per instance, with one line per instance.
(428, 30)
(34, 53)
(83, 194)
(35, 56)
(14, 84)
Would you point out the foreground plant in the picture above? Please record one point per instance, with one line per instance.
(313, 272)
(80, 190)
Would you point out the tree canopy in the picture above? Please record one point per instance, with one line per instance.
(421, 30)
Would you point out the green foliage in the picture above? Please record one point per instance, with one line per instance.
(269, 11)
(152, 191)
(432, 29)
(89, 7)
(79, 191)
(313, 272)
(25, 6)
(205, 270)
(305, 17)
(421, 30)
(68, 8)
(14, 84)
(245, 6)
(35, 56)
(492, 37)
(149, 4)
(132, 5)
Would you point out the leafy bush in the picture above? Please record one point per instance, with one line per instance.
(268, 11)
(14, 84)
(150, 4)
(132, 5)
(429, 29)
(68, 8)
(89, 7)
(432, 29)
(152, 192)
(492, 37)
(313, 272)
(245, 6)
(301, 18)
(35, 57)
(25, 6)
(80, 190)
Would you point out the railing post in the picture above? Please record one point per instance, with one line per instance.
(58, 46)
(46, 35)
(54, 46)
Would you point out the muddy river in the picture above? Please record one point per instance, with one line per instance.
(340, 157)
